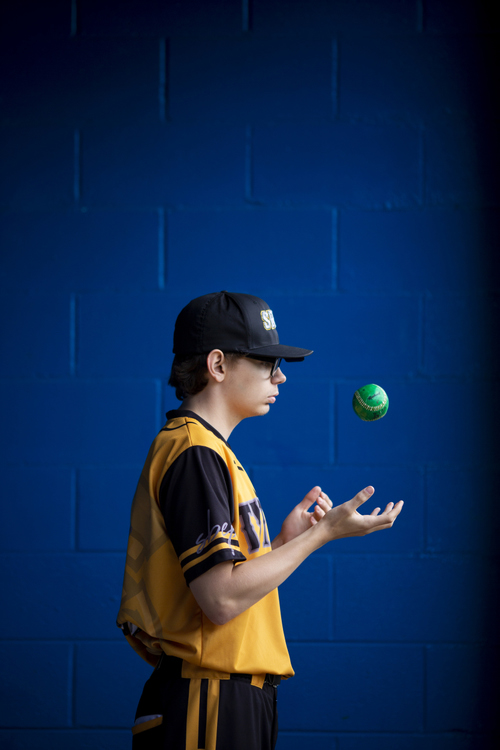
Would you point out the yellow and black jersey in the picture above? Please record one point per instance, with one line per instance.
(195, 507)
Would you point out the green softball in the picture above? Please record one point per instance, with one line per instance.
(370, 403)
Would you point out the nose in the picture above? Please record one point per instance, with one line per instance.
(278, 377)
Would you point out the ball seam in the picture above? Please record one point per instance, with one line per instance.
(370, 408)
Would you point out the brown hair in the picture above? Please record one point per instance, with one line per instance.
(189, 374)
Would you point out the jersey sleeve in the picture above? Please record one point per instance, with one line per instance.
(196, 499)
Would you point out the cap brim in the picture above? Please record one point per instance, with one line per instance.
(288, 353)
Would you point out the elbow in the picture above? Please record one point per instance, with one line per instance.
(219, 613)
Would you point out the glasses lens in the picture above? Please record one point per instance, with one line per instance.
(276, 366)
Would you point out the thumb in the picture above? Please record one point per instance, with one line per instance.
(363, 496)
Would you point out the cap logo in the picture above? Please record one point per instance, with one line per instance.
(268, 319)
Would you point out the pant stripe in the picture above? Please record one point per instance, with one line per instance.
(193, 715)
(202, 721)
(212, 713)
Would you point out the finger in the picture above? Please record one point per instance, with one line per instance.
(375, 512)
(324, 497)
(396, 510)
(324, 502)
(311, 497)
(362, 496)
(319, 512)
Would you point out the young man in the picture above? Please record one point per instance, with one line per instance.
(200, 600)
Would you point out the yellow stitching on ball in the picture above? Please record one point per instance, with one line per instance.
(370, 408)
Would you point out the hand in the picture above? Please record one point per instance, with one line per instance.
(344, 520)
(301, 519)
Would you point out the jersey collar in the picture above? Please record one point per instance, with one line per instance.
(176, 413)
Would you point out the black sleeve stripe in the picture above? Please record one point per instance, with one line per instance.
(203, 547)
(233, 549)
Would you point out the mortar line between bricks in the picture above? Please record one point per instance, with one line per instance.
(158, 405)
(332, 447)
(77, 166)
(248, 162)
(74, 18)
(72, 334)
(421, 333)
(422, 171)
(75, 481)
(72, 686)
(161, 249)
(335, 250)
(425, 649)
(335, 78)
(425, 511)
(163, 77)
(333, 599)
(246, 15)
(420, 16)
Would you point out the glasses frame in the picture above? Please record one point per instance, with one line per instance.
(274, 361)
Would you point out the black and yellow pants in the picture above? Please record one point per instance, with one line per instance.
(183, 707)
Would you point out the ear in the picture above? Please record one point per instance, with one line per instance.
(217, 365)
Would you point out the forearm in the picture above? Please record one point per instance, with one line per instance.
(228, 590)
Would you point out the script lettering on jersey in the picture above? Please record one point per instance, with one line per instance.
(226, 530)
(253, 524)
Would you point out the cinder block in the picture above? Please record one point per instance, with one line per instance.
(77, 739)
(460, 337)
(458, 502)
(429, 250)
(277, 437)
(357, 16)
(306, 600)
(464, 16)
(77, 80)
(78, 421)
(37, 512)
(160, 17)
(105, 498)
(274, 247)
(421, 741)
(129, 163)
(423, 425)
(127, 335)
(415, 78)
(38, 165)
(80, 250)
(35, 683)
(103, 669)
(289, 741)
(462, 689)
(35, 331)
(344, 164)
(32, 18)
(359, 335)
(350, 685)
(461, 160)
(257, 78)
(281, 488)
(383, 742)
(85, 600)
(422, 599)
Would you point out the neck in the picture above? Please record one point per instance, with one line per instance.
(213, 411)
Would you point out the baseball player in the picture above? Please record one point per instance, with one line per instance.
(200, 593)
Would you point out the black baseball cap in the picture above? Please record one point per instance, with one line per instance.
(232, 322)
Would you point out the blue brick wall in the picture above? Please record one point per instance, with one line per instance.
(339, 159)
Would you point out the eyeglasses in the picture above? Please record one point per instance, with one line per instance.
(275, 362)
